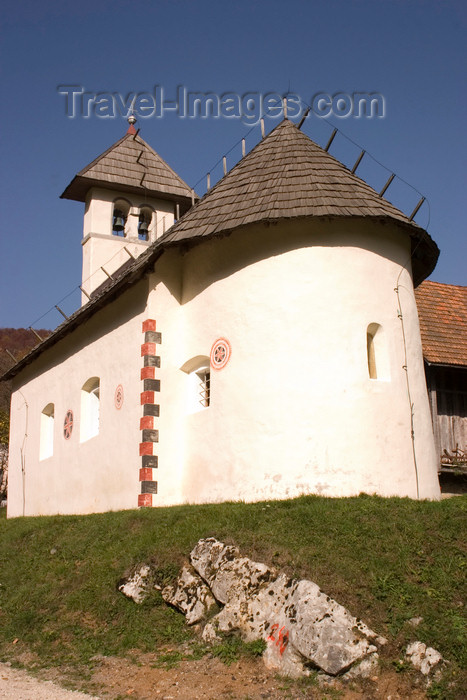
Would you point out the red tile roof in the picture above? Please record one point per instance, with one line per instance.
(442, 309)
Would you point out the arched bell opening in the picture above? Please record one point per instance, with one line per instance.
(144, 223)
(121, 209)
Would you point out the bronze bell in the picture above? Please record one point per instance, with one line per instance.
(143, 229)
(119, 223)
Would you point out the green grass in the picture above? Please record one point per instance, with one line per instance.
(232, 648)
(387, 560)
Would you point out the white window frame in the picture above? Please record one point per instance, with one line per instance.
(90, 409)
(46, 439)
(198, 386)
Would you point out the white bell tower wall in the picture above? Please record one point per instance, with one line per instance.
(104, 250)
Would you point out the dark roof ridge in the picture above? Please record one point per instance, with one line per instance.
(102, 298)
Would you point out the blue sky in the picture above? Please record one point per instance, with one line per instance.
(412, 52)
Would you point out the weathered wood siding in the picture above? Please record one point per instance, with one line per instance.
(447, 387)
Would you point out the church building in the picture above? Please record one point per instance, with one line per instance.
(259, 343)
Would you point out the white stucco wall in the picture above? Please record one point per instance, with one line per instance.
(102, 473)
(294, 411)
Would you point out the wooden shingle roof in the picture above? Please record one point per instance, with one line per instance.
(442, 309)
(288, 176)
(131, 165)
(285, 176)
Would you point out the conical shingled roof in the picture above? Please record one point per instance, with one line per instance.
(131, 165)
(288, 176)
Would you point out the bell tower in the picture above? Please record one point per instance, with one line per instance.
(132, 196)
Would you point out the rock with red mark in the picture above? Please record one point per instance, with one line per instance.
(299, 623)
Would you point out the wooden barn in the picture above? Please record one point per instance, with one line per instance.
(443, 324)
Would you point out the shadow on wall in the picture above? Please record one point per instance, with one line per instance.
(215, 259)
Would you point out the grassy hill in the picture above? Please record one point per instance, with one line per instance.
(387, 560)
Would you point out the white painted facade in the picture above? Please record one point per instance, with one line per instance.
(323, 392)
(294, 410)
(100, 473)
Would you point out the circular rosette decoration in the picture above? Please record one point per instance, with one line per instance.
(119, 397)
(220, 353)
(68, 425)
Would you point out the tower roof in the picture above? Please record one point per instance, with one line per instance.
(288, 176)
(131, 165)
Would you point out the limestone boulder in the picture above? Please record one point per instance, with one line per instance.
(299, 623)
(190, 595)
(424, 659)
(229, 576)
(137, 583)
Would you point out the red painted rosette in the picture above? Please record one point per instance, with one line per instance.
(68, 425)
(119, 397)
(220, 353)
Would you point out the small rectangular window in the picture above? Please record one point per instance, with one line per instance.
(90, 409)
(198, 385)
(204, 387)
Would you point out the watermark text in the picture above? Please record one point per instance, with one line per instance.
(250, 106)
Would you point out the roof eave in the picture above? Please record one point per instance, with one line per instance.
(448, 365)
(80, 186)
(424, 251)
(421, 268)
(85, 312)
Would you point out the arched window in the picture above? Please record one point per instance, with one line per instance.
(198, 389)
(371, 356)
(90, 409)
(144, 223)
(377, 355)
(119, 217)
(46, 440)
